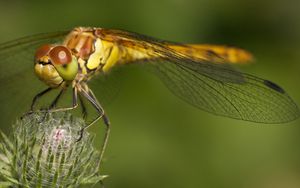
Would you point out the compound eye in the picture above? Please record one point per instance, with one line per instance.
(42, 51)
(60, 55)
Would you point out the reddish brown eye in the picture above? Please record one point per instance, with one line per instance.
(60, 55)
(42, 51)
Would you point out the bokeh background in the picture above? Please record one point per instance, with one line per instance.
(157, 140)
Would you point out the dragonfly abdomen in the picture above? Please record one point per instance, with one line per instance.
(214, 53)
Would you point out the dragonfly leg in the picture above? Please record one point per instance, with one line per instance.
(74, 104)
(106, 123)
(92, 99)
(53, 104)
(83, 107)
(35, 99)
(105, 118)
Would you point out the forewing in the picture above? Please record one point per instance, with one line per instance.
(106, 86)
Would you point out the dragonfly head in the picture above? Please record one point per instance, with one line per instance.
(55, 64)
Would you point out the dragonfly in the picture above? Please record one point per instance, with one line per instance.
(200, 74)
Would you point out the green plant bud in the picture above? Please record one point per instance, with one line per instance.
(44, 151)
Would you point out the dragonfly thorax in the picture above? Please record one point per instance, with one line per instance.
(55, 64)
(93, 54)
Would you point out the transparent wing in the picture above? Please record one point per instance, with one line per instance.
(231, 93)
(107, 86)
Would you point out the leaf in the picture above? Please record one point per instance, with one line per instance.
(93, 179)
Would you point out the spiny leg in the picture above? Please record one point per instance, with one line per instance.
(53, 104)
(84, 111)
(34, 100)
(74, 103)
(91, 98)
(95, 105)
(105, 118)
(38, 96)
(55, 101)
(106, 123)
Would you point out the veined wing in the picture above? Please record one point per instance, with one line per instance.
(213, 87)
(253, 99)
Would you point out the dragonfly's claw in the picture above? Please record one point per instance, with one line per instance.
(80, 135)
(84, 115)
(26, 114)
(44, 117)
(46, 112)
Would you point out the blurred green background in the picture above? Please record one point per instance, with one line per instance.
(157, 140)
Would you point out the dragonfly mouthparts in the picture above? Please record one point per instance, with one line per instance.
(44, 63)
